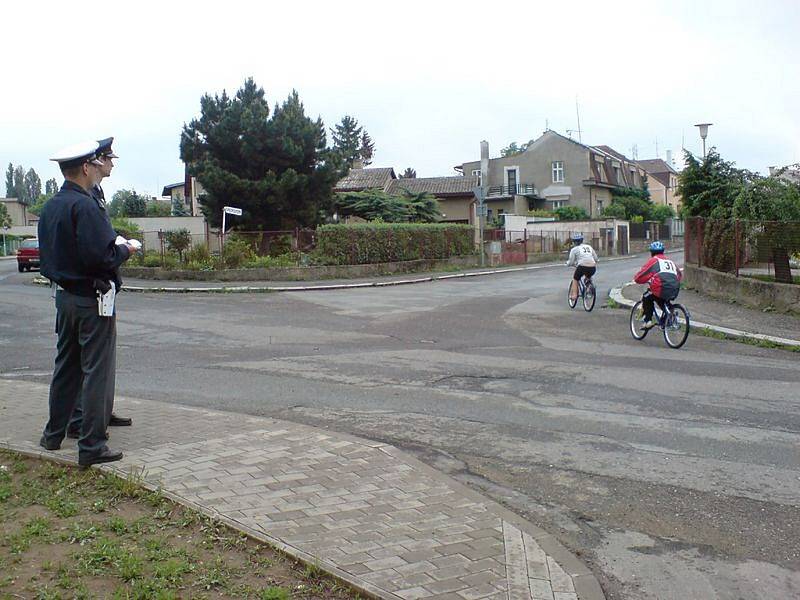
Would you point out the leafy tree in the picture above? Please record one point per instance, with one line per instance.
(178, 240)
(10, 189)
(367, 149)
(661, 213)
(125, 228)
(421, 207)
(709, 187)
(33, 186)
(135, 206)
(157, 208)
(513, 148)
(178, 208)
(36, 207)
(371, 205)
(377, 205)
(347, 136)
(5, 218)
(635, 201)
(775, 205)
(570, 213)
(51, 187)
(409, 173)
(278, 170)
(615, 210)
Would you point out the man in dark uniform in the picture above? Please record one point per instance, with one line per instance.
(106, 156)
(79, 254)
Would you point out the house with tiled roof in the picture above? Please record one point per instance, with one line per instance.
(552, 172)
(662, 181)
(361, 178)
(454, 194)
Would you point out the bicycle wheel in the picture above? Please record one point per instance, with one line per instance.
(637, 318)
(676, 327)
(589, 297)
(572, 302)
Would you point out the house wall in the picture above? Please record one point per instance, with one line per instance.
(456, 208)
(150, 227)
(18, 212)
(658, 191)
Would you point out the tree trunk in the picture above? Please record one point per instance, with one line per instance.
(783, 271)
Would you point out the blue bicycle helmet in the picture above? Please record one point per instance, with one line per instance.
(577, 238)
(657, 247)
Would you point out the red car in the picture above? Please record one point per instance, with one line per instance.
(28, 255)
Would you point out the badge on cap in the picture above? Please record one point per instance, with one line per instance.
(104, 147)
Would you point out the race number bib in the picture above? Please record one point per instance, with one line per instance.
(667, 266)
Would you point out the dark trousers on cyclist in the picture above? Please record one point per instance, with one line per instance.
(649, 300)
(581, 271)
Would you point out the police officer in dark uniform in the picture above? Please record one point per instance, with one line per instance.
(79, 254)
(106, 156)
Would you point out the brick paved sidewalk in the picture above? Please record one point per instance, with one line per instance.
(365, 511)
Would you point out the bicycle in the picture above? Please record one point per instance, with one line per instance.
(673, 319)
(586, 291)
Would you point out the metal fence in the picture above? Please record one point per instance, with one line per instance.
(770, 248)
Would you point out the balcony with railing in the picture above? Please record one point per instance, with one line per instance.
(506, 191)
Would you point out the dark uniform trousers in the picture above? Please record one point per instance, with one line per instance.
(84, 371)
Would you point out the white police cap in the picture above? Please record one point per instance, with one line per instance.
(78, 154)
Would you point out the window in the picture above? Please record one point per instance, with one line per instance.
(558, 171)
(477, 173)
(618, 176)
(511, 179)
(599, 166)
(599, 207)
(557, 204)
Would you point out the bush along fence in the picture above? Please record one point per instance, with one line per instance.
(366, 243)
(358, 244)
(754, 248)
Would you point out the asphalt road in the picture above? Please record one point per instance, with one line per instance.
(672, 473)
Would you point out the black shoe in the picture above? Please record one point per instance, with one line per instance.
(116, 421)
(49, 445)
(73, 434)
(105, 455)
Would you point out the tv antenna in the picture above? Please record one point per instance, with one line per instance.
(578, 113)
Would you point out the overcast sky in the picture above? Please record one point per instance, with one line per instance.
(428, 80)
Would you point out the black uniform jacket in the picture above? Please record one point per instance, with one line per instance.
(76, 242)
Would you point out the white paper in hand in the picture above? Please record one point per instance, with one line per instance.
(135, 243)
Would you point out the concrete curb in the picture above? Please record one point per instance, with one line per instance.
(616, 295)
(222, 289)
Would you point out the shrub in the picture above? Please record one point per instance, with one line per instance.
(178, 240)
(365, 243)
(570, 213)
(125, 228)
(237, 251)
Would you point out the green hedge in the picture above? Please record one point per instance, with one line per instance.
(368, 243)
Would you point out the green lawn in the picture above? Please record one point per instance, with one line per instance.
(69, 533)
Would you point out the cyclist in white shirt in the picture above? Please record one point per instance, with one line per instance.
(584, 259)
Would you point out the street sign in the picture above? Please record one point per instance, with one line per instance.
(232, 210)
(478, 191)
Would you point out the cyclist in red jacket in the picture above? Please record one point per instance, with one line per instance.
(663, 278)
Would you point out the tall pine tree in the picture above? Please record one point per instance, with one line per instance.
(277, 169)
(10, 181)
(33, 186)
(19, 185)
(367, 149)
(347, 140)
(50, 187)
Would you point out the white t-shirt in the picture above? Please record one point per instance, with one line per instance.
(582, 255)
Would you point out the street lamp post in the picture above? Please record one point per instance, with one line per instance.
(703, 133)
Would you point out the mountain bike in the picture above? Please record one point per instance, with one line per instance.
(586, 291)
(673, 319)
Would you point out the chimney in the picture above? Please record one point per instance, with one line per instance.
(669, 157)
(357, 164)
(484, 164)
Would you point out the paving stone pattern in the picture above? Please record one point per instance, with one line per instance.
(363, 510)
